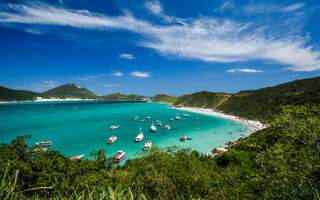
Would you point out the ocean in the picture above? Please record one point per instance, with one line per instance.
(79, 127)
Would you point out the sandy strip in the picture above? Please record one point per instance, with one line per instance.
(251, 124)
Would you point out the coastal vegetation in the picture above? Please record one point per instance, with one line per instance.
(7, 94)
(280, 162)
(164, 98)
(123, 97)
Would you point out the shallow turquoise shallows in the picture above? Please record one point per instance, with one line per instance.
(80, 127)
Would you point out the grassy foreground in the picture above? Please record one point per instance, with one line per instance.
(280, 162)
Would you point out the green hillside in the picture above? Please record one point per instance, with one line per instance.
(70, 90)
(7, 94)
(123, 97)
(202, 99)
(280, 162)
(164, 98)
(263, 103)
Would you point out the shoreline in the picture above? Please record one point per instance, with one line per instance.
(253, 125)
(46, 100)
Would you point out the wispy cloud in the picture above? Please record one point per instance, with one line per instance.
(110, 85)
(225, 5)
(207, 39)
(154, 7)
(87, 78)
(116, 73)
(140, 74)
(126, 56)
(243, 70)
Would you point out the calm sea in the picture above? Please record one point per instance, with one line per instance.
(81, 127)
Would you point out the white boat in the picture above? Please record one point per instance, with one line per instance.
(114, 127)
(37, 151)
(135, 117)
(139, 137)
(119, 156)
(167, 127)
(112, 139)
(153, 128)
(44, 143)
(148, 117)
(159, 124)
(143, 120)
(185, 115)
(177, 117)
(77, 157)
(147, 145)
(171, 119)
(158, 121)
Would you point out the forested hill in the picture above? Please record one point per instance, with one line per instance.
(123, 97)
(164, 98)
(7, 94)
(263, 103)
(70, 90)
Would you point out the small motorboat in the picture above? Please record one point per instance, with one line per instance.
(167, 127)
(183, 138)
(44, 143)
(171, 119)
(114, 127)
(112, 139)
(139, 137)
(119, 156)
(185, 115)
(147, 145)
(230, 132)
(37, 151)
(148, 117)
(196, 118)
(153, 128)
(189, 138)
(158, 121)
(77, 157)
(232, 123)
(159, 124)
(177, 117)
(135, 118)
(143, 120)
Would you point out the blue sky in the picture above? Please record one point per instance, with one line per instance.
(157, 46)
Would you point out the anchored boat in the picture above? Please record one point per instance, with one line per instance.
(153, 128)
(37, 151)
(183, 138)
(119, 156)
(77, 157)
(139, 137)
(114, 127)
(147, 145)
(167, 127)
(44, 143)
(112, 139)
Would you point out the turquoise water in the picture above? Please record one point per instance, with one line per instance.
(81, 127)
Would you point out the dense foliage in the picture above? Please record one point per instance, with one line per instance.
(123, 97)
(7, 94)
(70, 90)
(202, 99)
(265, 102)
(164, 98)
(280, 162)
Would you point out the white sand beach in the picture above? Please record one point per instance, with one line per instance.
(253, 125)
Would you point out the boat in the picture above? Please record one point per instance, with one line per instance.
(143, 120)
(44, 143)
(171, 119)
(147, 145)
(189, 138)
(196, 118)
(185, 115)
(114, 127)
(159, 124)
(135, 118)
(153, 128)
(148, 117)
(183, 138)
(167, 127)
(139, 137)
(37, 151)
(177, 117)
(119, 156)
(77, 157)
(112, 139)
(158, 121)
(232, 123)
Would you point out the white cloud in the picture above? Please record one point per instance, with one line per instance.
(117, 73)
(87, 78)
(226, 5)
(45, 85)
(126, 56)
(207, 39)
(154, 7)
(293, 7)
(140, 74)
(244, 70)
(110, 85)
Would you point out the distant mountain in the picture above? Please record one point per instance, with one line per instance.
(202, 99)
(70, 90)
(123, 97)
(7, 94)
(265, 102)
(164, 98)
